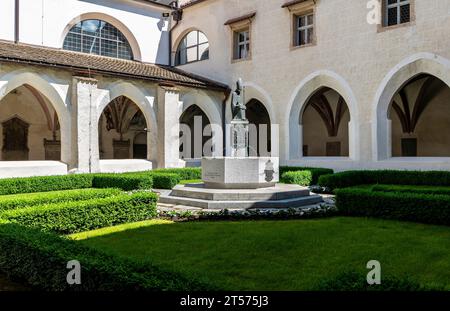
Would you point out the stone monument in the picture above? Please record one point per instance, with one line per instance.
(239, 171)
(240, 181)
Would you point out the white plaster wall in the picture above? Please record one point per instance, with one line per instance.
(346, 45)
(44, 22)
(7, 20)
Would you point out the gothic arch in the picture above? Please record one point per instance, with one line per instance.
(304, 91)
(396, 79)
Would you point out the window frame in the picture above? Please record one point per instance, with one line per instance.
(98, 37)
(197, 46)
(297, 10)
(245, 44)
(299, 29)
(384, 16)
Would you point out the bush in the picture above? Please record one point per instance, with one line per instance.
(354, 281)
(44, 183)
(186, 173)
(40, 259)
(354, 178)
(123, 181)
(16, 201)
(72, 217)
(412, 189)
(305, 176)
(425, 208)
(302, 178)
(165, 180)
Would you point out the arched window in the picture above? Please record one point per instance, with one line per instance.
(94, 36)
(194, 47)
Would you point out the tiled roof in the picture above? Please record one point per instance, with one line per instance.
(84, 63)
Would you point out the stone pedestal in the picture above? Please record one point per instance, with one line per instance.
(239, 138)
(240, 172)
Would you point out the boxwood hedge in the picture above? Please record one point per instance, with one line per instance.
(124, 182)
(304, 176)
(354, 178)
(45, 183)
(40, 259)
(165, 180)
(417, 207)
(72, 217)
(15, 201)
(356, 281)
(412, 189)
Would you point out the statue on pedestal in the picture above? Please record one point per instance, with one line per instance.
(239, 123)
(237, 102)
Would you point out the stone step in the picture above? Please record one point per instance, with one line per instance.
(279, 192)
(209, 204)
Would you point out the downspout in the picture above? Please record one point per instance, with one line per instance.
(175, 9)
(224, 122)
(16, 21)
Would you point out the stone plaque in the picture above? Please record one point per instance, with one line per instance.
(121, 149)
(52, 150)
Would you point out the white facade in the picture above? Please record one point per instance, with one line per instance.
(364, 64)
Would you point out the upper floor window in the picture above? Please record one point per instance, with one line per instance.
(98, 37)
(193, 47)
(397, 12)
(242, 44)
(304, 26)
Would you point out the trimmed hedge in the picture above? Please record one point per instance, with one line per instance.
(304, 176)
(185, 173)
(45, 183)
(76, 181)
(412, 189)
(122, 181)
(165, 180)
(40, 259)
(424, 208)
(16, 201)
(72, 217)
(391, 177)
(355, 281)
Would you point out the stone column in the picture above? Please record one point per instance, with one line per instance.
(85, 155)
(169, 128)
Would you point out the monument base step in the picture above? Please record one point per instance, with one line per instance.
(280, 196)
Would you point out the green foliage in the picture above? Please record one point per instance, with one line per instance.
(304, 176)
(165, 180)
(44, 183)
(354, 178)
(123, 181)
(40, 259)
(71, 217)
(355, 281)
(16, 201)
(186, 173)
(412, 189)
(417, 207)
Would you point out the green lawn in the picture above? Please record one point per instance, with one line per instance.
(282, 255)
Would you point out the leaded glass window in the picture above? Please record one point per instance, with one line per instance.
(98, 37)
(193, 47)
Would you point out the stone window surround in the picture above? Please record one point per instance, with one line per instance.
(298, 9)
(412, 20)
(236, 27)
